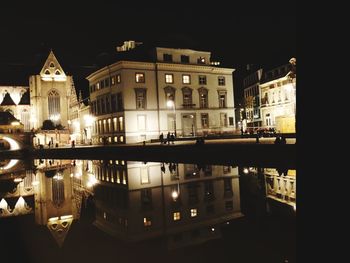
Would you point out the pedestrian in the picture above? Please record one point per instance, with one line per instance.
(172, 137)
(257, 138)
(73, 144)
(168, 137)
(161, 138)
(277, 140)
(283, 140)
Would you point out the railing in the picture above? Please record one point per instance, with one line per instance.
(281, 188)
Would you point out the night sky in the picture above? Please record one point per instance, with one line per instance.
(82, 36)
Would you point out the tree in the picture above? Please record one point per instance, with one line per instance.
(48, 125)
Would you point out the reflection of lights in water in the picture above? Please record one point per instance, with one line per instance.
(13, 144)
(11, 164)
(34, 183)
(91, 181)
(16, 180)
(58, 177)
(174, 195)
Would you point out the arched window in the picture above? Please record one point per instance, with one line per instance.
(57, 191)
(187, 97)
(25, 119)
(54, 106)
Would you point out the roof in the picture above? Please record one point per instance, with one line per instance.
(7, 101)
(6, 118)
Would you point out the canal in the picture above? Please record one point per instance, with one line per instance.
(118, 210)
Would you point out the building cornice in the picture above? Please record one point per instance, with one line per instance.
(193, 68)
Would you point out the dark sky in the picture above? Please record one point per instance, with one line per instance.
(264, 34)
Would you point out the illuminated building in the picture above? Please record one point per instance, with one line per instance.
(177, 91)
(278, 99)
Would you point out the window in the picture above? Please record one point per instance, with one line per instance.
(202, 80)
(144, 175)
(230, 120)
(146, 198)
(147, 221)
(141, 122)
(209, 191)
(167, 58)
(186, 79)
(57, 72)
(222, 99)
(185, 59)
(227, 169)
(54, 106)
(203, 98)
(115, 128)
(201, 60)
(140, 98)
(194, 212)
(205, 120)
(221, 81)
(169, 94)
(223, 119)
(140, 77)
(228, 192)
(120, 106)
(113, 80)
(187, 97)
(176, 216)
(229, 205)
(119, 79)
(52, 65)
(121, 127)
(102, 84)
(169, 78)
(107, 82)
(114, 102)
(98, 85)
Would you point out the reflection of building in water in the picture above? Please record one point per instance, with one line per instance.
(59, 195)
(185, 202)
(281, 188)
(16, 188)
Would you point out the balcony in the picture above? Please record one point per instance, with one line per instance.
(188, 105)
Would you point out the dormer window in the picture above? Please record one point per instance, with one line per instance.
(201, 60)
(57, 72)
(52, 65)
(47, 72)
(167, 58)
(185, 59)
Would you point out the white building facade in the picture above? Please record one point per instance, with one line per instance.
(181, 93)
(278, 100)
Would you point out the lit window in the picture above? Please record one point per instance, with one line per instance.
(176, 216)
(205, 120)
(169, 78)
(115, 139)
(119, 78)
(186, 79)
(147, 221)
(140, 77)
(193, 212)
(121, 126)
(113, 80)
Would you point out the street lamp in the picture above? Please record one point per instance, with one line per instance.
(293, 77)
(171, 104)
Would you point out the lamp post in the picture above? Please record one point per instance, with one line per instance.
(171, 104)
(293, 77)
